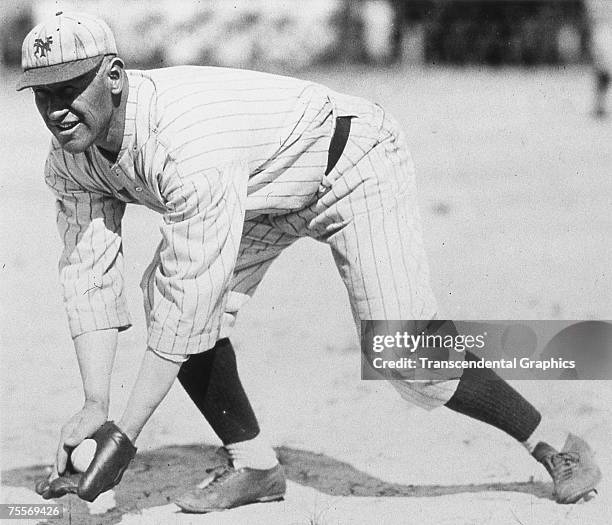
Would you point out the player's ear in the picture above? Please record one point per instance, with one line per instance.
(116, 77)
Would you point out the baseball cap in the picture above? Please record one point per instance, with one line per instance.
(64, 47)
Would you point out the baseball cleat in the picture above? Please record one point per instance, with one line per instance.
(227, 488)
(573, 470)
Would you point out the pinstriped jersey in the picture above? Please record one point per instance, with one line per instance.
(206, 147)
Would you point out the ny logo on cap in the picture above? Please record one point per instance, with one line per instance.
(41, 46)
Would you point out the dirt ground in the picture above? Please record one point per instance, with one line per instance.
(516, 198)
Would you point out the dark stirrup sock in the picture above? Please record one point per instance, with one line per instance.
(603, 80)
(483, 395)
(211, 381)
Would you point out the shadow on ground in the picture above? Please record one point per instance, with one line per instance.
(156, 477)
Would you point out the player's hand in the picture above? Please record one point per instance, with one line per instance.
(79, 427)
(114, 452)
(51, 488)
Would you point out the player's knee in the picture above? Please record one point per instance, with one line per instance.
(198, 366)
(432, 393)
(426, 394)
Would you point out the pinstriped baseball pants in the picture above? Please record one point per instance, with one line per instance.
(366, 210)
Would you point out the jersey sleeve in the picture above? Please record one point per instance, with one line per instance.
(200, 240)
(91, 264)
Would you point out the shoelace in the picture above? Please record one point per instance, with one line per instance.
(562, 465)
(218, 468)
(224, 473)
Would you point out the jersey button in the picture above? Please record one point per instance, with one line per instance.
(138, 188)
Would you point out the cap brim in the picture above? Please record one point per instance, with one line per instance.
(41, 76)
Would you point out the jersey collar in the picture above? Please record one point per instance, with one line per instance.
(125, 159)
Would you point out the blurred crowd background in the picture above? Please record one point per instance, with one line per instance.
(293, 34)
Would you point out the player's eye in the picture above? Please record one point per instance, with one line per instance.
(40, 93)
(69, 92)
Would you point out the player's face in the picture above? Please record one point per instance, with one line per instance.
(78, 111)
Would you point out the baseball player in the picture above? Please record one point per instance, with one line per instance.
(600, 14)
(239, 165)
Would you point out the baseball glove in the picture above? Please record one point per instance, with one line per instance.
(113, 455)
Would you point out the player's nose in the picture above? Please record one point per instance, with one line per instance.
(56, 114)
(56, 109)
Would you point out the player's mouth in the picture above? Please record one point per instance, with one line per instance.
(65, 128)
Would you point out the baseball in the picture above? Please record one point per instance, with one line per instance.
(83, 454)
